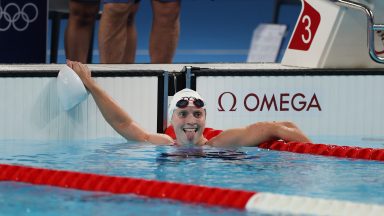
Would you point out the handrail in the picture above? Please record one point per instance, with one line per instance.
(371, 27)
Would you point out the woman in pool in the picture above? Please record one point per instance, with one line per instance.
(188, 118)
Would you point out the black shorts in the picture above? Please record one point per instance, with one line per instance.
(134, 1)
(86, 1)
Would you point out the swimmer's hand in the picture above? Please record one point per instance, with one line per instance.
(83, 72)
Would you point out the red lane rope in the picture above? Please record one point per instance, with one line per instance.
(326, 150)
(127, 185)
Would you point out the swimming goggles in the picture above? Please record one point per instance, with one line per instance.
(184, 101)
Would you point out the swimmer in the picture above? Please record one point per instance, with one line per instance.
(187, 123)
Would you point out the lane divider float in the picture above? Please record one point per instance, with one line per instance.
(188, 193)
(326, 150)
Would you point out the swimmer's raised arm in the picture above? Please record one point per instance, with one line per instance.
(120, 120)
(260, 132)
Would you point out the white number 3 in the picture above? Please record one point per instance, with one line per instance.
(307, 19)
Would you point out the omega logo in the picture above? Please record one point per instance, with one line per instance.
(281, 102)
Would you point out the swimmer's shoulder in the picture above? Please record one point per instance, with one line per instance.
(217, 140)
(227, 138)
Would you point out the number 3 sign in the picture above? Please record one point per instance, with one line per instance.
(306, 28)
(328, 36)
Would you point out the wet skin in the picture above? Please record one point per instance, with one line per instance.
(189, 124)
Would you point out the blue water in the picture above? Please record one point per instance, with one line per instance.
(245, 168)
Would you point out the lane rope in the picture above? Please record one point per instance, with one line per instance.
(194, 194)
(326, 150)
(126, 185)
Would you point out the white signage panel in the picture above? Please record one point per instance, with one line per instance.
(320, 105)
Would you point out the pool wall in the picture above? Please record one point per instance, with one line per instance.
(342, 102)
(30, 108)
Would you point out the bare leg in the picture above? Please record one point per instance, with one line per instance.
(130, 47)
(165, 31)
(78, 33)
(117, 33)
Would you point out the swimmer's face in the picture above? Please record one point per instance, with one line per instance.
(189, 124)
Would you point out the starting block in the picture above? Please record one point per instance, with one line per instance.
(336, 34)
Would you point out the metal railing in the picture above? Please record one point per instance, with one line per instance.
(371, 26)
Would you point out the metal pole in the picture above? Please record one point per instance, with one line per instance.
(371, 26)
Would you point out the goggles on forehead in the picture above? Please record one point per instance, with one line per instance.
(184, 101)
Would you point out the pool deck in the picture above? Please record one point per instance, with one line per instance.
(165, 67)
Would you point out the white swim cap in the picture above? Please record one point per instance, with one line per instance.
(185, 93)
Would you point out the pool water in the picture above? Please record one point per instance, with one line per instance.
(248, 168)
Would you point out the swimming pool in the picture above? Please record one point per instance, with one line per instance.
(251, 169)
(36, 120)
